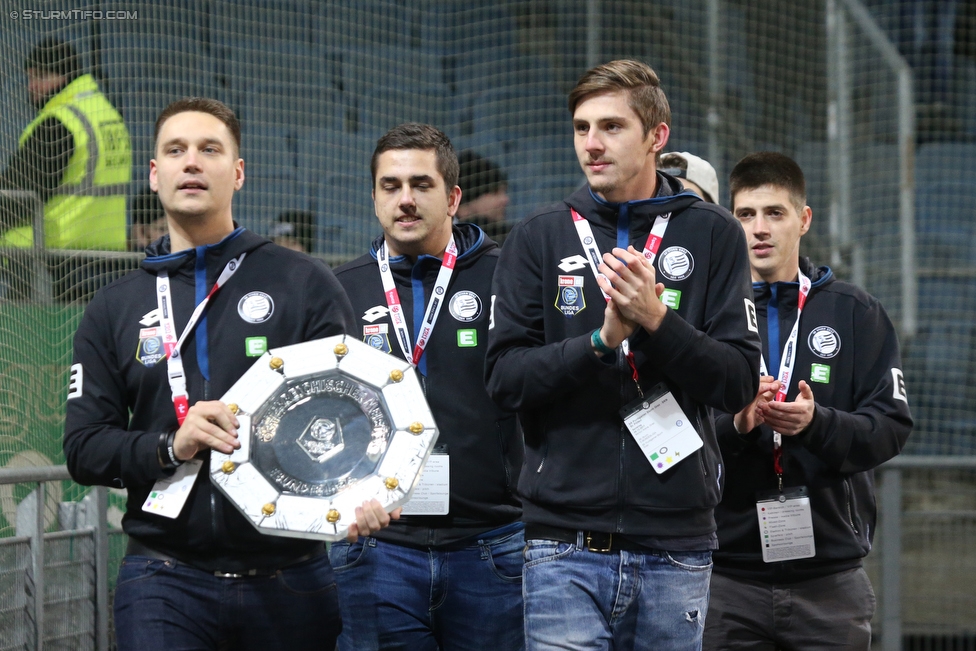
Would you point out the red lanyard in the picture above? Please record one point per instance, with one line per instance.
(786, 371)
(433, 305)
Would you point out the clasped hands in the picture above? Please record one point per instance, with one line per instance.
(787, 418)
(630, 280)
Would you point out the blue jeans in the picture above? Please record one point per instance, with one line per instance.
(578, 599)
(465, 598)
(167, 606)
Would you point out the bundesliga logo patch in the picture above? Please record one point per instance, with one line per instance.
(377, 336)
(570, 299)
(150, 348)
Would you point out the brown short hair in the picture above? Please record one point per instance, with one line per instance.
(647, 99)
(769, 168)
(413, 135)
(212, 107)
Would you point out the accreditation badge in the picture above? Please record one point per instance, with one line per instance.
(432, 496)
(662, 430)
(785, 524)
(570, 299)
(377, 336)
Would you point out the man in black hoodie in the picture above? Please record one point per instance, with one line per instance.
(448, 574)
(612, 356)
(798, 512)
(142, 408)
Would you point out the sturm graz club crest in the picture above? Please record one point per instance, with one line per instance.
(676, 263)
(465, 306)
(824, 342)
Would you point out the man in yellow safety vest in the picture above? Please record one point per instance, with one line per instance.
(75, 156)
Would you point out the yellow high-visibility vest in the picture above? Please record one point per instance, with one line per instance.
(87, 210)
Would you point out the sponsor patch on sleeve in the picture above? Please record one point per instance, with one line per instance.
(898, 380)
(76, 381)
(752, 321)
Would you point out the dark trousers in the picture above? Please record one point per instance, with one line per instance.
(168, 606)
(832, 612)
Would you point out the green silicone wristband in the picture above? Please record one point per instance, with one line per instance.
(598, 344)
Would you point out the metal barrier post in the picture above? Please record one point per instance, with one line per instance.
(891, 558)
(40, 284)
(100, 494)
(37, 559)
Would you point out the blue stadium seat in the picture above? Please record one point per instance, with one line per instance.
(945, 192)
(520, 112)
(253, 62)
(379, 108)
(938, 365)
(270, 152)
(324, 153)
(387, 66)
(262, 199)
(132, 59)
(366, 23)
(186, 19)
(284, 20)
(347, 221)
(295, 108)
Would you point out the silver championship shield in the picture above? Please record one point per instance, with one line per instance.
(324, 426)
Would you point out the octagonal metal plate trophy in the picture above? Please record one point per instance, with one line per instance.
(324, 426)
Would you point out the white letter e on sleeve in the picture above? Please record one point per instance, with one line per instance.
(76, 381)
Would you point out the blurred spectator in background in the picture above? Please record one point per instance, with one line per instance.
(147, 220)
(696, 174)
(484, 195)
(75, 155)
(295, 230)
(75, 160)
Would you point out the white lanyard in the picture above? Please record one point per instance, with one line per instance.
(594, 258)
(172, 344)
(786, 368)
(593, 255)
(433, 305)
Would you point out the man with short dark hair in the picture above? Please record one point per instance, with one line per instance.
(798, 513)
(448, 574)
(484, 195)
(612, 356)
(143, 411)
